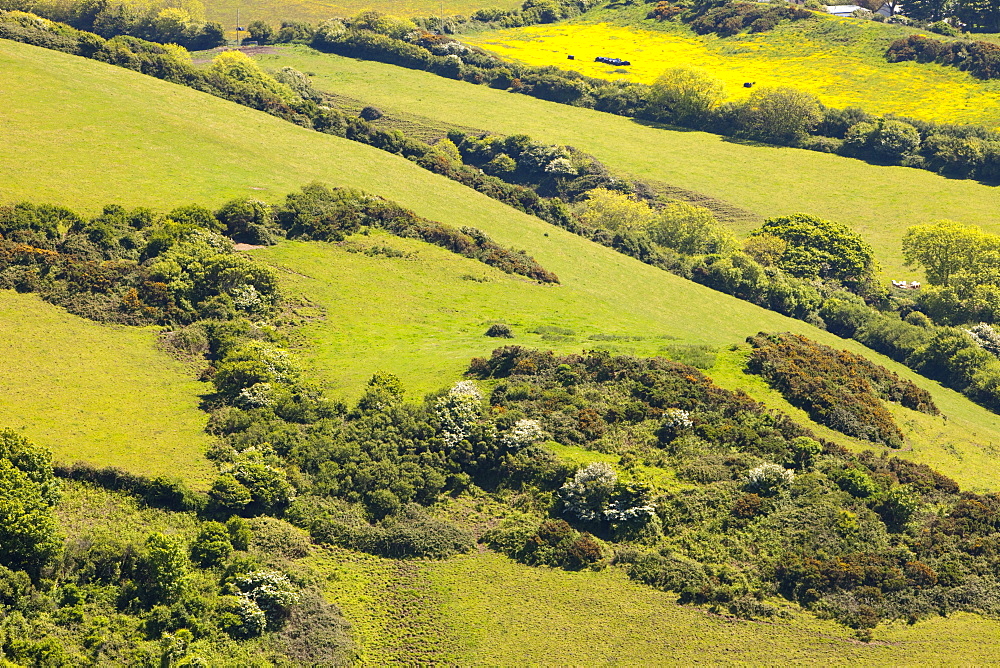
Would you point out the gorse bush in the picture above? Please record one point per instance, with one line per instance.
(837, 388)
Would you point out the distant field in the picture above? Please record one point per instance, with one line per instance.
(838, 59)
(484, 609)
(316, 11)
(879, 202)
(98, 393)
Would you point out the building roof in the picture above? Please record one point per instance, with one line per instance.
(842, 9)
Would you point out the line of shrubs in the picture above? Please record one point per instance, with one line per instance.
(837, 388)
(980, 59)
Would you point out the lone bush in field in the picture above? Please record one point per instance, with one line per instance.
(779, 115)
(500, 331)
(684, 96)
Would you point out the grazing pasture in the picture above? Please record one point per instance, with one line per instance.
(86, 128)
(840, 60)
(98, 393)
(486, 609)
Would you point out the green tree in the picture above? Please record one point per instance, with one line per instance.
(166, 568)
(213, 545)
(778, 115)
(261, 32)
(615, 211)
(29, 534)
(944, 247)
(684, 96)
(690, 229)
(821, 248)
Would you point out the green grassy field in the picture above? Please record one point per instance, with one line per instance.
(86, 128)
(841, 60)
(98, 393)
(880, 202)
(484, 609)
(316, 11)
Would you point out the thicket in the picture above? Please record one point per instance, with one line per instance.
(980, 59)
(138, 266)
(838, 389)
(123, 595)
(860, 538)
(161, 22)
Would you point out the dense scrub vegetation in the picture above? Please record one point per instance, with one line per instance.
(856, 537)
(768, 270)
(179, 594)
(981, 59)
(140, 267)
(837, 388)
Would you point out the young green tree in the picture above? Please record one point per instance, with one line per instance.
(779, 115)
(690, 229)
(684, 96)
(29, 535)
(945, 247)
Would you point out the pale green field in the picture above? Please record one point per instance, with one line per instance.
(99, 393)
(484, 609)
(880, 202)
(422, 319)
(317, 11)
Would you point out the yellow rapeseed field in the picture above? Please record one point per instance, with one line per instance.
(844, 71)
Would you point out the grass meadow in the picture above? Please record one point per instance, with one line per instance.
(98, 393)
(78, 130)
(484, 609)
(878, 201)
(838, 59)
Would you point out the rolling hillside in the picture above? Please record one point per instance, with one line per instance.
(179, 146)
(880, 202)
(83, 134)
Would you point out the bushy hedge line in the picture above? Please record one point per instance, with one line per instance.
(325, 214)
(156, 492)
(728, 18)
(980, 59)
(837, 388)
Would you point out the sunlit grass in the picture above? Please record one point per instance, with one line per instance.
(99, 393)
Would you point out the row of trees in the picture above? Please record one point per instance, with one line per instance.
(161, 21)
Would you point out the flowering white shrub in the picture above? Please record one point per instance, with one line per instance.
(257, 395)
(677, 418)
(620, 511)
(767, 479)
(587, 494)
(270, 590)
(458, 410)
(986, 338)
(524, 433)
(247, 299)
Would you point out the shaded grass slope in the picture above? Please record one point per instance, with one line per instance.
(99, 393)
(880, 202)
(77, 130)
